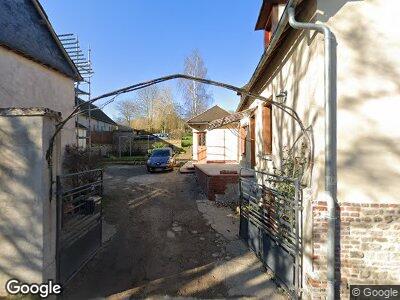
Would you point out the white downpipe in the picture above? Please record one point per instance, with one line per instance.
(330, 139)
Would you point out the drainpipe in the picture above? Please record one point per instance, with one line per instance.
(330, 139)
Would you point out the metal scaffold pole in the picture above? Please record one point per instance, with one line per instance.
(83, 88)
(90, 111)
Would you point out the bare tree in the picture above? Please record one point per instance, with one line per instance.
(127, 110)
(146, 100)
(157, 110)
(196, 95)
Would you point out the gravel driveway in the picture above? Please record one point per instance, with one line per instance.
(168, 241)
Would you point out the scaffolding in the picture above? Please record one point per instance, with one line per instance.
(83, 89)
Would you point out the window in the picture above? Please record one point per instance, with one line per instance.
(267, 129)
(243, 136)
(201, 139)
(274, 17)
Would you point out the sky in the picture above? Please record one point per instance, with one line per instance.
(138, 40)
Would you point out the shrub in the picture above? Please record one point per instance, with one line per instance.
(187, 136)
(77, 159)
(186, 143)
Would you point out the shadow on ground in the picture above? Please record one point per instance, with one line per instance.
(163, 245)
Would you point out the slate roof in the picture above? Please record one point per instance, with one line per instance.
(209, 115)
(26, 30)
(95, 112)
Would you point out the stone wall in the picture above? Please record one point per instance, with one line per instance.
(368, 248)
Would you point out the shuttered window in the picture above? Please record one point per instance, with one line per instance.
(267, 129)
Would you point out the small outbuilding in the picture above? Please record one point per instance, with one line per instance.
(214, 146)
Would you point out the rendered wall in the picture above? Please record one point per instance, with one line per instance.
(368, 38)
(368, 42)
(298, 69)
(195, 144)
(24, 83)
(27, 217)
(222, 145)
(95, 124)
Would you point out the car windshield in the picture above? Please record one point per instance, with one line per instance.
(161, 152)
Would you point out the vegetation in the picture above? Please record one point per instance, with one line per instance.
(186, 143)
(187, 140)
(196, 95)
(154, 108)
(292, 166)
(158, 145)
(77, 159)
(126, 158)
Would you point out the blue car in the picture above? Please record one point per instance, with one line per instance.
(161, 159)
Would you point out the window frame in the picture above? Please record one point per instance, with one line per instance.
(267, 133)
(201, 139)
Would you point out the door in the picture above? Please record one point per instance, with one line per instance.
(253, 140)
(201, 146)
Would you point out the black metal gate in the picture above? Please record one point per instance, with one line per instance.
(270, 223)
(79, 220)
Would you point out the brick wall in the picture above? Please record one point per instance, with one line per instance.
(213, 185)
(368, 247)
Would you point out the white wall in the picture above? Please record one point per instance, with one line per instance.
(368, 38)
(27, 216)
(298, 70)
(95, 124)
(368, 102)
(24, 83)
(222, 145)
(195, 144)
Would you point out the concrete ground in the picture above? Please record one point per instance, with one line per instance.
(165, 240)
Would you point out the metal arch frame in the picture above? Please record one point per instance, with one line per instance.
(290, 111)
(241, 91)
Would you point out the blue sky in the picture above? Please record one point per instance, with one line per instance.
(137, 40)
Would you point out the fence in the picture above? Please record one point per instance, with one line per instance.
(270, 223)
(102, 137)
(79, 220)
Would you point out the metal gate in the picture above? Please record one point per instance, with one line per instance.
(270, 223)
(79, 220)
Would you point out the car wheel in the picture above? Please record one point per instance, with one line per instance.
(149, 170)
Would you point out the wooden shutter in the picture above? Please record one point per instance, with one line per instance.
(243, 134)
(253, 140)
(267, 129)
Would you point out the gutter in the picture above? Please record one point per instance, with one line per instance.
(330, 83)
(284, 20)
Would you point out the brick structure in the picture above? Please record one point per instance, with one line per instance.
(214, 184)
(368, 248)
